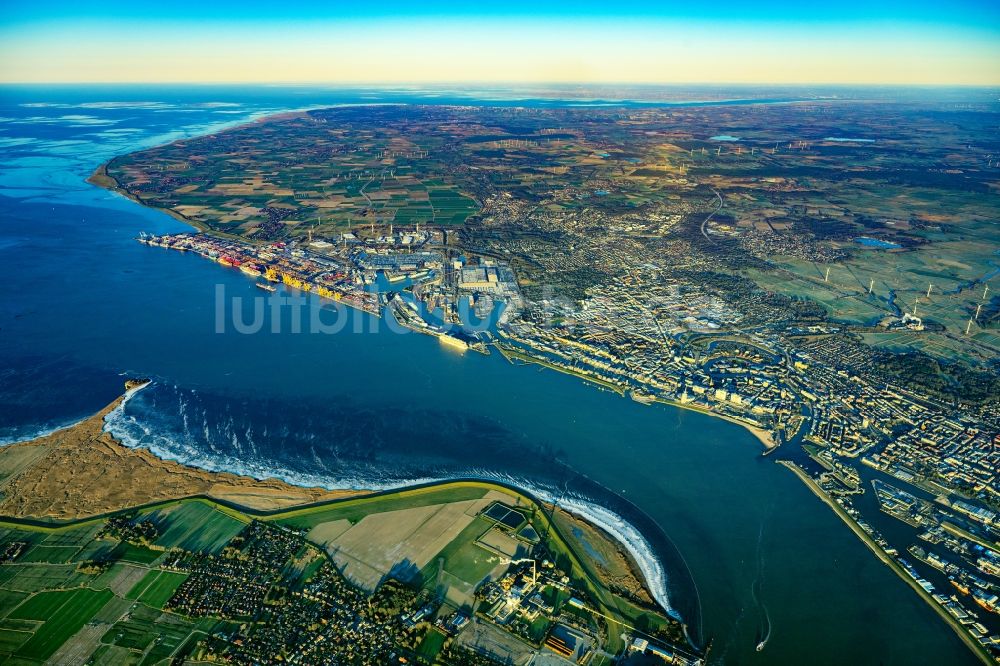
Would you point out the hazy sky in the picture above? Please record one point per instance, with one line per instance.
(371, 41)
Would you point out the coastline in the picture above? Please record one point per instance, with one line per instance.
(101, 178)
(646, 567)
(888, 561)
(81, 471)
(642, 561)
(763, 436)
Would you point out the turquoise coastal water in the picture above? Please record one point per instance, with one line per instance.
(83, 304)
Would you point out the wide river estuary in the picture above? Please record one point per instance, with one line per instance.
(741, 540)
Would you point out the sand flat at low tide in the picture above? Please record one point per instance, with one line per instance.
(82, 471)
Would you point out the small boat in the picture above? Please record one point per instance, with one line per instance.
(266, 287)
(760, 646)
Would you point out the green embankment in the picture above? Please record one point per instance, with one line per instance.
(50, 602)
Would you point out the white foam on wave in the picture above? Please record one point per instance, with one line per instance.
(131, 433)
(45, 432)
(640, 550)
(624, 532)
(127, 429)
(129, 394)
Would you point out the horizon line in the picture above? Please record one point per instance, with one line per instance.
(525, 83)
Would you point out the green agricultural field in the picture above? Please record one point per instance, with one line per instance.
(158, 591)
(463, 559)
(136, 632)
(132, 553)
(451, 207)
(143, 583)
(990, 338)
(37, 577)
(195, 526)
(78, 536)
(169, 638)
(46, 604)
(26, 626)
(846, 302)
(112, 655)
(41, 606)
(11, 640)
(50, 554)
(356, 509)
(9, 599)
(63, 623)
(266, 181)
(304, 565)
(50, 603)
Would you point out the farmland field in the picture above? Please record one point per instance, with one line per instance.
(77, 610)
(399, 542)
(337, 179)
(11, 640)
(161, 588)
(463, 558)
(195, 526)
(50, 554)
(355, 509)
(41, 606)
(109, 608)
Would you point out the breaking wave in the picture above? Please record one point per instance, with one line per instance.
(624, 532)
(38, 433)
(186, 447)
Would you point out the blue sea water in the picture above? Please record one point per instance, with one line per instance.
(83, 306)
